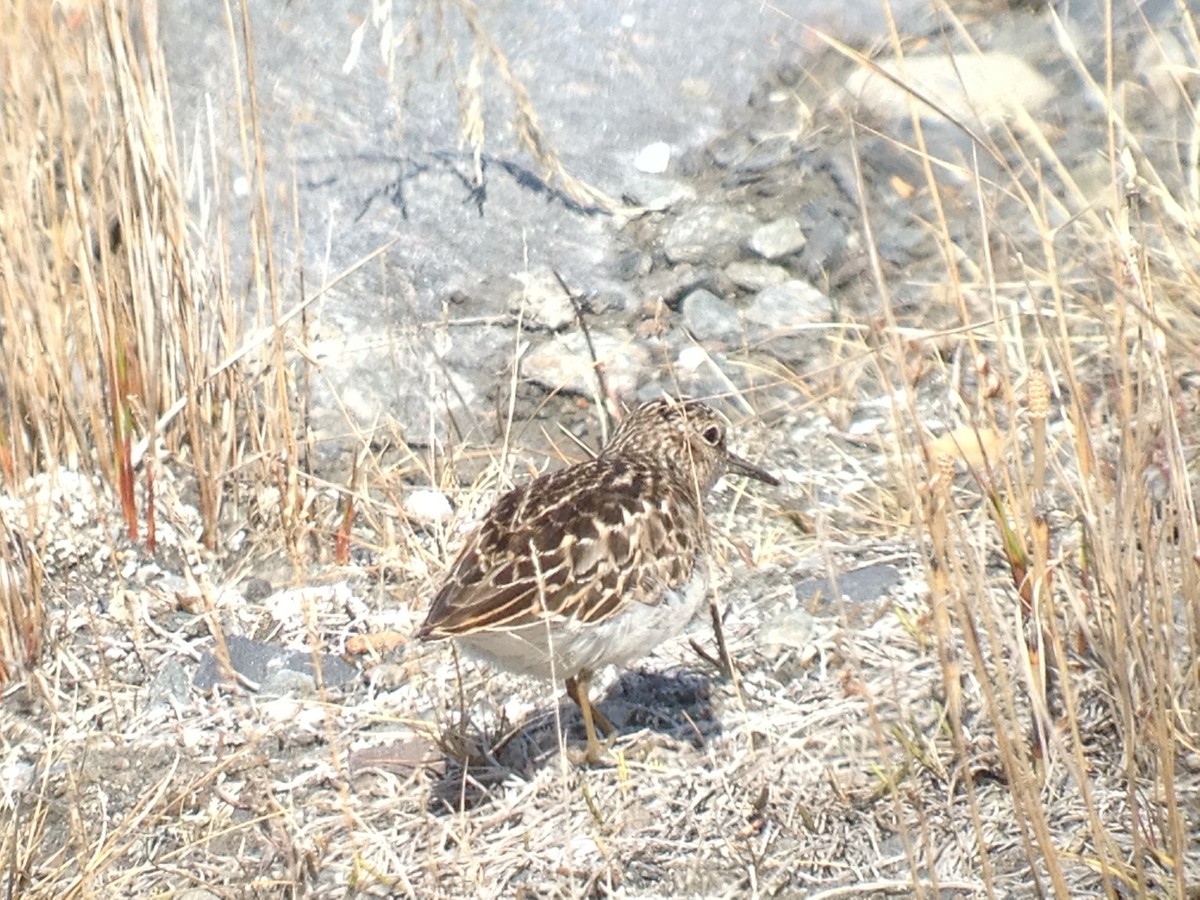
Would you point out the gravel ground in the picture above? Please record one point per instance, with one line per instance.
(214, 725)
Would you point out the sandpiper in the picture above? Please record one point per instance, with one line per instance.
(597, 563)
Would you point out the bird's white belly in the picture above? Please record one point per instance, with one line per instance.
(560, 648)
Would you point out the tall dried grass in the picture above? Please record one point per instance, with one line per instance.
(1058, 516)
(121, 332)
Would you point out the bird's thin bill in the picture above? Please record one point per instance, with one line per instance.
(739, 466)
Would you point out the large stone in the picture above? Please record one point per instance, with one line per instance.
(259, 661)
(564, 363)
(980, 88)
(709, 234)
(541, 300)
(709, 318)
(784, 307)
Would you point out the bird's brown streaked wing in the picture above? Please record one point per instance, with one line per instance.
(656, 554)
(588, 555)
(487, 582)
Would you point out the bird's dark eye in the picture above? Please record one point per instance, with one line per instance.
(712, 435)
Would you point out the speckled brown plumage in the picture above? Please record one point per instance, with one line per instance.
(597, 563)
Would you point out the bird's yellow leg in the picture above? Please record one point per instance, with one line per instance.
(577, 689)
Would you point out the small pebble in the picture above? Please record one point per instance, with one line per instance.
(777, 239)
(428, 506)
(754, 275)
(653, 159)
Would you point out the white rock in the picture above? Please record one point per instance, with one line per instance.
(863, 427)
(288, 606)
(428, 506)
(691, 358)
(791, 629)
(281, 709)
(564, 363)
(15, 779)
(518, 709)
(987, 87)
(653, 159)
(191, 737)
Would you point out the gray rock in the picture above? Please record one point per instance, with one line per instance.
(696, 373)
(766, 154)
(564, 363)
(859, 586)
(255, 588)
(783, 307)
(672, 284)
(170, 686)
(482, 349)
(631, 264)
(728, 150)
(362, 182)
(427, 376)
(828, 243)
(754, 275)
(709, 234)
(288, 683)
(471, 296)
(777, 239)
(709, 318)
(385, 374)
(658, 193)
(607, 297)
(741, 153)
(904, 243)
(541, 300)
(260, 663)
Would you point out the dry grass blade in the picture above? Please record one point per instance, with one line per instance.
(21, 611)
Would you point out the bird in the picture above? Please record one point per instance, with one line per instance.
(597, 563)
